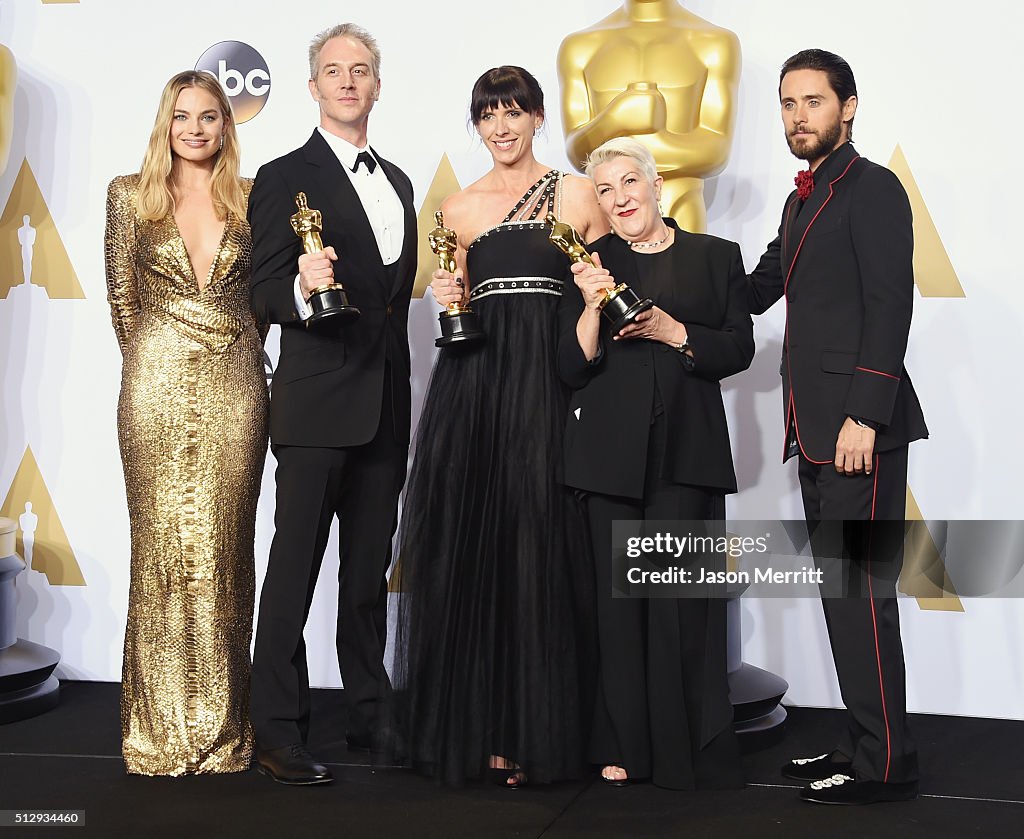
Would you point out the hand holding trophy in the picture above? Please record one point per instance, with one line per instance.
(329, 302)
(459, 323)
(621, 304)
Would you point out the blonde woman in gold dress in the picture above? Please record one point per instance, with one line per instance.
(192, 424)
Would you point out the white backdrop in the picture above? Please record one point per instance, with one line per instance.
(939, 86)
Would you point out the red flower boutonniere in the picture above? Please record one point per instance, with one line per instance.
(804, 181)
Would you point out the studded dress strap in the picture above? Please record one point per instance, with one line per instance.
(536, 198)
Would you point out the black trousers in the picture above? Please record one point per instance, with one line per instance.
(864, 556)
(360, 486)
(662, 707)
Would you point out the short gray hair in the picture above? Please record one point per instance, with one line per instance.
(622, 147)
(343, 30)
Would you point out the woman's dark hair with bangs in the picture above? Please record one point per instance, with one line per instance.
(504, 87)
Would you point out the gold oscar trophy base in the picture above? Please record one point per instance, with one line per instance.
(459, 325)
(622, 305)
(330, 308)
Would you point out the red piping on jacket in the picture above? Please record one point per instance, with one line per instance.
(878, 373)
(785, 292)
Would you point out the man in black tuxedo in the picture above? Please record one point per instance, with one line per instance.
(339, 416)
(843, 260)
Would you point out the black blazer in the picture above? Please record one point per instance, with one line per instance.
(844, 262)
(609, 420)
(328, 389)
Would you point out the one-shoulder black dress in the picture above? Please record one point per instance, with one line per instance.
(494, 652)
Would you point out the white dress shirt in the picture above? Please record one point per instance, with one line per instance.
(380, 202)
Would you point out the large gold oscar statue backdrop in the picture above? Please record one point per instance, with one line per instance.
(655, 71)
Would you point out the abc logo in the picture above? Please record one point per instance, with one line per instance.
(243, 74)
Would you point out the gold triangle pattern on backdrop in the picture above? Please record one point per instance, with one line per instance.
(55, 2)
(51, 551)
(921, 562)
(395, 580)
(444, 184)
(933, 271)
(50, 266)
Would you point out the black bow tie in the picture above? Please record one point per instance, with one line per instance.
(366, 158)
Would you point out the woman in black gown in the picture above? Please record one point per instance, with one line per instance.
(495, 611)
(647, 439)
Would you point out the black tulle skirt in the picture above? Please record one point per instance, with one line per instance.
(495, 649)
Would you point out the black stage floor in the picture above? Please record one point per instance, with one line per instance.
(972, 785)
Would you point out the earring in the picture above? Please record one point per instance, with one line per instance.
(222, 142)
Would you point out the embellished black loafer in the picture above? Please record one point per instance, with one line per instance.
(844, 789)
(292, 765)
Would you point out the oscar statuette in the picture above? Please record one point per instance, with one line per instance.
(329, 302)
(621, 304)
(459, 323)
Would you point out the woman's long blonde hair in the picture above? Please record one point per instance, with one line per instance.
(156, 197)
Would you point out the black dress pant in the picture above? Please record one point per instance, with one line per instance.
(861, 558)
(662, 708)
(360, 486)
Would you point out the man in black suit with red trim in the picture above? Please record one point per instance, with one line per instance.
(843, 260)
(340, 411)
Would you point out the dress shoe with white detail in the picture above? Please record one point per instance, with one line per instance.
(815, 768)
(845, 789)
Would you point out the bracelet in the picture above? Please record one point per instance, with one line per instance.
(863, 423)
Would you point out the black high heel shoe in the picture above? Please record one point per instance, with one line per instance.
(509, 777)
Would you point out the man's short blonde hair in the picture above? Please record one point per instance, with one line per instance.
(343, 30)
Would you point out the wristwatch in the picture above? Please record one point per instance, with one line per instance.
(688, 362)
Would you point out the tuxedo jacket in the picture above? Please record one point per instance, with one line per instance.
(611, 409)
(843, 260)
(328, 386)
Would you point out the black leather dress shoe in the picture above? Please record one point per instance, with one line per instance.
(845, 789)
(292, 765)
(815, 768)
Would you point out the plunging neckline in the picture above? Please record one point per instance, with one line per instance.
(216, 254)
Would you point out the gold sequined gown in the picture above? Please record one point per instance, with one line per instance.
(192, 425)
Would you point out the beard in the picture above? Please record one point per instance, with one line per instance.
(820, 146)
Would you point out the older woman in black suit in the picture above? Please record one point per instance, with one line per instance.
(647, 439)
